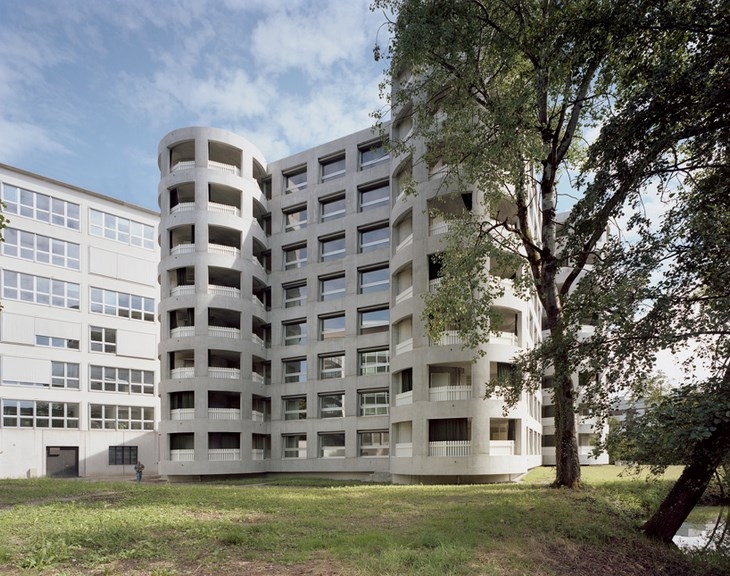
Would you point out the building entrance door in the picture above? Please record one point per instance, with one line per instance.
(62, 461)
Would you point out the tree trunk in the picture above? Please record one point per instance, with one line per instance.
(567, 461)
(706, 456)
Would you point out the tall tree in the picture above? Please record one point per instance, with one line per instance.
(500, 92)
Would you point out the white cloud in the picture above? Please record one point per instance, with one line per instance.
(21, 139)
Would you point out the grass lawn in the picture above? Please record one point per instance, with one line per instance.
(292, 527)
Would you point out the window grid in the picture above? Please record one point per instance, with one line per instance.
(374, 238)
(295, 181)
(39, 248)
(38, 414)
(374, 197)
(374, 362)
(125, 380)
(332, 326)
(332, 445)
(40, 290)
(374, 443)
(123, 305)
(374, 279)
(332, 248)
(332, 168)
(332, 405)
(53, 342)
(374, 403)
(295, 333)
(295, 445)
(331, 366)
(122, 230)
(295, 295)
(65, 375)
(122, 455)
(295, 219)
(103, 340)
(295, 257)
(113, 417)
(40, 207)
(374, 321)
(295, 408)
(332, 208)
(295, 370)
(332, 287)
(372, 154)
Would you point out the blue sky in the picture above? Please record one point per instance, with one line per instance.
(89, 87)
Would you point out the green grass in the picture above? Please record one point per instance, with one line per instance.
(294, 526)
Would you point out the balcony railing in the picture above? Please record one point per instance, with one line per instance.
(185, 248)
(224, 454)
(259, 454)
(444, 393)
(405, 346)
(224, 208)
(182, 414)
(405, 295)
(182, 332)
(220, 166)
(256, 339)
(183, 207)
(257, 416)
(229, 291)
(187, 372)
(184, 290)
(404, 398)
(257, 378)
(502, 447)
(223, 249)
(438, 227)
(450, 448)
(407, 241)
(224, 332)
(404, 449)
(504, 338)
(448, 338)
(224, 414)
(227, 373)
(183, 165)
(187, 455)
(434, 284)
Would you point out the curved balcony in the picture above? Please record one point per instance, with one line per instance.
(450, 448)
(183, 290)
(224, 454)
(183, 207)
(188, 248)
(182, 414)
(224, 250)
(223, 209)
(182, 332)
(224, 332)
(224, 373)
(229, 291)
(187, 372)
(187, 455)
(449, 393)
(224, 414)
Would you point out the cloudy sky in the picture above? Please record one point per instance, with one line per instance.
(89, 87)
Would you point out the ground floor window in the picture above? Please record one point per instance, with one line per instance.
(374, 443)
(332, 445)
(122, 455)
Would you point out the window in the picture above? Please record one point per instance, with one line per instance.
(65, 375)
(295, 181)
(37, 414)
(295, 294)
(103, 340)
(373, 402)
(121, 230)
(332, 248)
(548, 441)
(548, 411)
(374, 279)
(40, 207)
(332, 445)
(374, 196)
(110, 417)
(122, 305)
(406, 380)
(374, 238)
(373, 443)
(332, 287)
(109, 379)
(332, 405)
(332, 366)
(295, 218)
(374, 321)
(295, 370)
(332, 208)
(295, 256)
(53, 342)
(122, 455)
(295, 408)
(295, 332)
(40, 290)
(332, 168)
(374, 362)
(295, 445)
(38, 248)
(371, 154)
(332, 326)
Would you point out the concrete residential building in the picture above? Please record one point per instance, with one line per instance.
(78, 331)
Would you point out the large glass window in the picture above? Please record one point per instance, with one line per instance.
(332, 168)
(122, 455)
(374, 196)
(332, 445)
(374, 362)
(295, 445)
(121, 229)
(373, 443)
(332, 326)
(125, 380)
(332, 207)
(38, 248)
(295, 370)
(53, 342)
(295, 333)
(373, 402)
(295, 256)
(332, 247)
(295, 181)
(373, 321)
(374, 238)
(39, 414)
(103, 340)
(65, 375)
(295, 408)
(112, 417)
(40, 290)
(295, 218)
(295, 294)
(374, 279)
(371, 154)
(40, 207)
(332, 287)
(122, 305)
(332, 405)
(332, 366)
